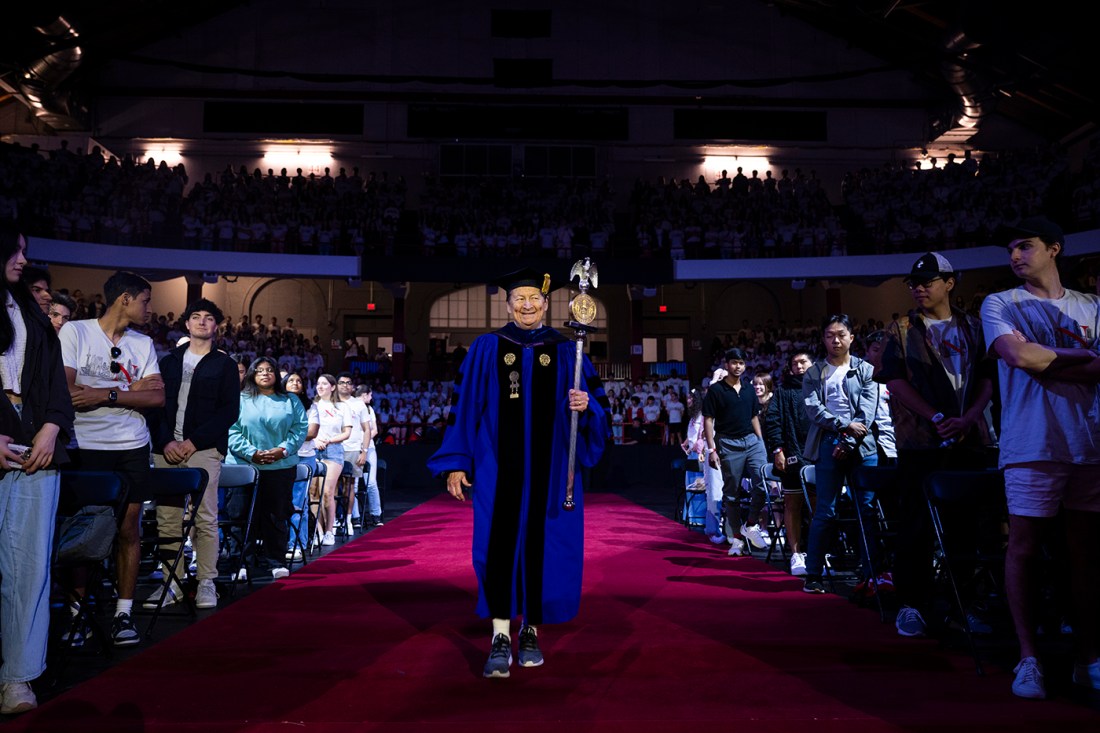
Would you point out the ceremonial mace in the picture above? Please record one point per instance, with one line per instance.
(583, 309)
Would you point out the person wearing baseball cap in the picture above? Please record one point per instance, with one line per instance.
(1045, 337)
(940, 382)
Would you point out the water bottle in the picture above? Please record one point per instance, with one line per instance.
(936, 420)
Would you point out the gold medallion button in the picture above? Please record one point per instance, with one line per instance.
(509, 359)
(544, 359)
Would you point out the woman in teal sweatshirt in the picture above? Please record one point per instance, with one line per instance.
(268, 434)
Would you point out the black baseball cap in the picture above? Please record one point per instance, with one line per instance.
(929, 267)
(1035, 226)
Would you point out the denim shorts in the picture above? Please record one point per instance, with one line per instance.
(332, 452)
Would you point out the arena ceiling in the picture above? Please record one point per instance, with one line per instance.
(1027, 64)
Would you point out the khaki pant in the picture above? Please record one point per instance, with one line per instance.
(205, 535)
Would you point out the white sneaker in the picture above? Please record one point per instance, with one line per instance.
(18, 698)
(350, 528)
(328, 539)
(798, 564)
(175, 595)
(737, 548)
(206, 596)
(1029, 679)
(242, 574)
(295, 555)
(277, 573)
(1087, 675)
(754, 536)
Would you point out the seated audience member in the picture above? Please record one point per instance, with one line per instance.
(39, 281)
(61, 310)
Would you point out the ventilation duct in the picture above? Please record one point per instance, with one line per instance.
(42, 78)
(966, 83)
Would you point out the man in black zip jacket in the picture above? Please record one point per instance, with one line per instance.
(202, 401)
(786, 435)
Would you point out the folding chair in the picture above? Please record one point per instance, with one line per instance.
(775, 508)
(691, 496)
(808, 479)
(382, 476)
(299, 515)
(314, 503)
(237, 490)
(879, 480)
(80, 489)
(178, 487)
(961, 492)
(344, 491)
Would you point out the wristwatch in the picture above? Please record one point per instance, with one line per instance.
(112, 396)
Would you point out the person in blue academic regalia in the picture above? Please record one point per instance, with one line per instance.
(507, 444)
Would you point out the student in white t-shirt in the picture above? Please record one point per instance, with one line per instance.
(355, 452)
(374, 497)
(334, 427)
(113, 375)
(1046, 338)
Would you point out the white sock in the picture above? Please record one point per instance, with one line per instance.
(123, 606)
(502, 626)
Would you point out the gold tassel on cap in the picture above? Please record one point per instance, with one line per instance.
(545, 283)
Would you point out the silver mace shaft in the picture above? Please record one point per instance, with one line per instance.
(568, 505)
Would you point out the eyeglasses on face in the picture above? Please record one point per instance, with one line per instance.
(265, 370)
(914, 285)
(345, 381)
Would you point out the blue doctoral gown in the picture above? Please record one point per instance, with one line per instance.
(509, 432)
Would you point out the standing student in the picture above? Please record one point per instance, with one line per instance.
(334, 427)
(268, 433)
(1046, 338)
(355, 449)
(35, 413)
(940, 382)
(374, 497)
(307, 454)
(113, 377)
(735, 445)
(841, 400)
(201, 402)
(787, 429)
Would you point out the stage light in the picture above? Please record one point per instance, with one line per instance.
(168, 152)
(310, 158)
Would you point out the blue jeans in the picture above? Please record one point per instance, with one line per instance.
(831, 475)
(374, 499)
(299, 497)
(28, 507)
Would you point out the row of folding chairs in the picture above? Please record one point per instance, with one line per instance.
(960, 492)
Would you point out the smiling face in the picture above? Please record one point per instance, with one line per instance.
(201, 325)
(13, 268)
(325, 388)
(759, 387)
(528, 306)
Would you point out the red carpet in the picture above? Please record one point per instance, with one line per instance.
(672, 636)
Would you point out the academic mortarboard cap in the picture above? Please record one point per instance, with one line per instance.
(527, 277)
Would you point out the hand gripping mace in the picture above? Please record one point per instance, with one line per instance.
(583, 310)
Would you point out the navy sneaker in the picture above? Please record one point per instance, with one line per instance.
(529, 653)
(500, 657)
